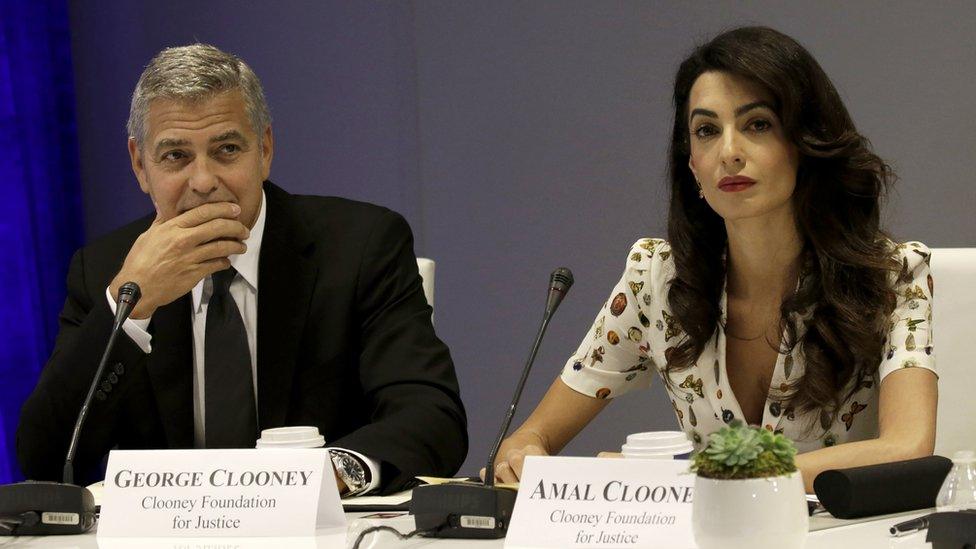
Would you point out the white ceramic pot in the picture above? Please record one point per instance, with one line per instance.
(762, 513)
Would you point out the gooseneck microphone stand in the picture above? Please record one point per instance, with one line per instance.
(34, 508)
(483, 511)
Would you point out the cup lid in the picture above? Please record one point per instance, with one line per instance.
(674, 442)
(291, 437)
(637, 451)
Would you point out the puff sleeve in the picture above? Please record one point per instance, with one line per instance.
(615, 355)
(909, 339)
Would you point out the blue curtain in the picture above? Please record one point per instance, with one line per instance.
(40, 197)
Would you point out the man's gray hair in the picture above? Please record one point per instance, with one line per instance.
(194, 73)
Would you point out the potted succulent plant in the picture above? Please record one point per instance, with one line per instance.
(748, 492)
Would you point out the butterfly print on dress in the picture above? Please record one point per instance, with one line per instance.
(694, 384)
(848, 418)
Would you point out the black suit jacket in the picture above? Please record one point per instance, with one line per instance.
(344, 342)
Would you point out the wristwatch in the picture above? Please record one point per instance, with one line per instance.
(351, 471)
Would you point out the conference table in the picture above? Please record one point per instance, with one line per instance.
(826, 533)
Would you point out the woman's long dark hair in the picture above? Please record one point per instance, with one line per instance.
(839, 186)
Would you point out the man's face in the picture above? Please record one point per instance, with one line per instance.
(200, 152)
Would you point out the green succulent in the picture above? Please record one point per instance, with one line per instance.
(737, 451)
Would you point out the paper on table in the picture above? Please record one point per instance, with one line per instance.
(465, 480)
(400, 500)
(392, 499)
(96, 491)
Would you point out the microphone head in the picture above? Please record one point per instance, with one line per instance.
(129, 293)
(560, 281)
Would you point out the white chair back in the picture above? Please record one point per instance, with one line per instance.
(426, 268)
(953, 336)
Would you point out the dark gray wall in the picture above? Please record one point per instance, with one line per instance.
(339, 78)
(520, 136)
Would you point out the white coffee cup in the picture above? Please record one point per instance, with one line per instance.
(291, 437)
(657, 445)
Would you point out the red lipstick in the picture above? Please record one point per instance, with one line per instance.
(733, 184)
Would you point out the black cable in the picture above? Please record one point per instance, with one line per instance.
(11, 523)
(397, 533)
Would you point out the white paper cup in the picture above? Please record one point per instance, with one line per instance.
(657, 445)
(291, 437)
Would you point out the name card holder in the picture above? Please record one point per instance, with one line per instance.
(219, 493)
(591, 502)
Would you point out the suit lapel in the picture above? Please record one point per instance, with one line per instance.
(171, 371)
(285, 282)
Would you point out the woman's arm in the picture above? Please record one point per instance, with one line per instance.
(611, 360)
(906, 427)
(558, 418)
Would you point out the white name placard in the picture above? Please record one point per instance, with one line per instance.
(219, 493)
(591, 502)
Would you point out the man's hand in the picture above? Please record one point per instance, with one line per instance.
(171, 257)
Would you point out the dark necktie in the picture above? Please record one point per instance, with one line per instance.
(231, 417)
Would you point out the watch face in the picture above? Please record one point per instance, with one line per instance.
(351, 472)
(354, 469)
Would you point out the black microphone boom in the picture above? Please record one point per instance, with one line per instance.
(129, 295)
(560, 281)
(483, 511)
(41, 508)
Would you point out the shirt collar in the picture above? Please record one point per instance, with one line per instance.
(246, 263)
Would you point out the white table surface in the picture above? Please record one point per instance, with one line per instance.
(830, 533)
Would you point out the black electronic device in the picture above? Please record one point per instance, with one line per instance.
(472, 510)
(952, 530)
(882, 489)
(45, 508)
(33, 508)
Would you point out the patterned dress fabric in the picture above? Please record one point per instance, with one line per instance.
(634, 332)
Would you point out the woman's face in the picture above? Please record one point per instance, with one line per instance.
(739, 152)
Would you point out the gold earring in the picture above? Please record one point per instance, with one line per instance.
(701, 193)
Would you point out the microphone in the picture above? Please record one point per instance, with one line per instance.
(129, 294)
(482, 511)
(33, 508)
(560, 281)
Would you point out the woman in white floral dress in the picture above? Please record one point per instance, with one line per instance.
(777, 298)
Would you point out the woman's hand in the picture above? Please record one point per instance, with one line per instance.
(511, 456)
(555, 421)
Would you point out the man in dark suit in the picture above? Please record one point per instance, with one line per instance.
(259, 308)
